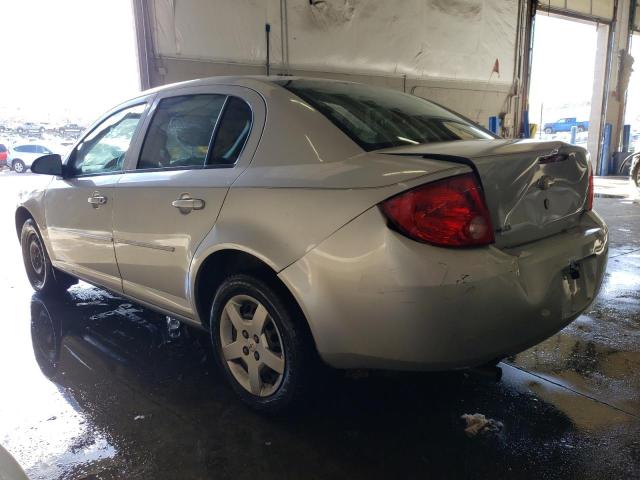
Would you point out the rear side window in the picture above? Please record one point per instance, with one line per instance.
(41, 149)
(3, 148)
(180, 132)
(232, 133)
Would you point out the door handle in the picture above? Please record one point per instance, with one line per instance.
(96, 200)
(185, 203)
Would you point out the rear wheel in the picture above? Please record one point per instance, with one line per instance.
(42, 276)
(261, 344)
(19, 166)
(548, 130)
(580, 128)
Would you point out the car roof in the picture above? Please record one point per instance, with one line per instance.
(16, 145)
(253, 81)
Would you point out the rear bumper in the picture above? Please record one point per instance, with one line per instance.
(375, 299)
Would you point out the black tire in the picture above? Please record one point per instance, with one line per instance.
(41, 274)
(635, 174)
(581, 129)
(548, 131)
(298, 351)
(21, 167)
(46, 336)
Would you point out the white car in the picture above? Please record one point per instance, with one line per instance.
(22, 156)
(301, 219)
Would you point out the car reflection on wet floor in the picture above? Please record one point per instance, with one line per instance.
(137, 400)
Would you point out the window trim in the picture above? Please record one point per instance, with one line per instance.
(170, 169)
(89, 132)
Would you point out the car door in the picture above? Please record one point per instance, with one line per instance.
(79, 207)
(198, 140)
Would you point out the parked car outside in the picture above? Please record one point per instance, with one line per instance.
(361, 226)
(565, 125)
(23, 155)
(4, 153)
(70, 130)
(29, 128)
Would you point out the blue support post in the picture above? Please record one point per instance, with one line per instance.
(574, 131)
(495, 125)
(526, 132)
(604, 154)
(626, 137)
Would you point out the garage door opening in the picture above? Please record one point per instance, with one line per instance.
(564, 100)
(75, 60)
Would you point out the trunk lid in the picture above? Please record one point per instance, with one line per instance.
(533, 189)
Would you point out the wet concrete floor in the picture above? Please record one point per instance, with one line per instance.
(93, 386)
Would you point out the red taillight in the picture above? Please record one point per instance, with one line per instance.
(590, 192)
(448, 213)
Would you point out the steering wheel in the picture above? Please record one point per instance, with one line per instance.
(115, 163)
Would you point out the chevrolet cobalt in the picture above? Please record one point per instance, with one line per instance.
(302, 219)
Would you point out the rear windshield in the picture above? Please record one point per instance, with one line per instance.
(377, 118)
(2, 148)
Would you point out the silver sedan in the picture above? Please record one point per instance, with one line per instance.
(300, 220)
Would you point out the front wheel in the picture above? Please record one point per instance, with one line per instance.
(42, 276)
(261, 343)
(19, 166)
(581, 129)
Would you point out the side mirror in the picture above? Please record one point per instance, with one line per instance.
(48, 165)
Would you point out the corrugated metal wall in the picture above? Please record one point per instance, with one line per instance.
(446, 49)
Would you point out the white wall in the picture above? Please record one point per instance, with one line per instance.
(446, 48)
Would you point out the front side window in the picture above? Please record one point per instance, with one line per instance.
(26, 149)
(104, 149)
(180, 132)
(378, 118)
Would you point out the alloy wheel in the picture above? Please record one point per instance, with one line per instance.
(18, 167)
(252, 345)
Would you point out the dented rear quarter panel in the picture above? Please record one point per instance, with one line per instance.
(376, 299)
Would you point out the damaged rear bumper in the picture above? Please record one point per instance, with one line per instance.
(375, 299)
